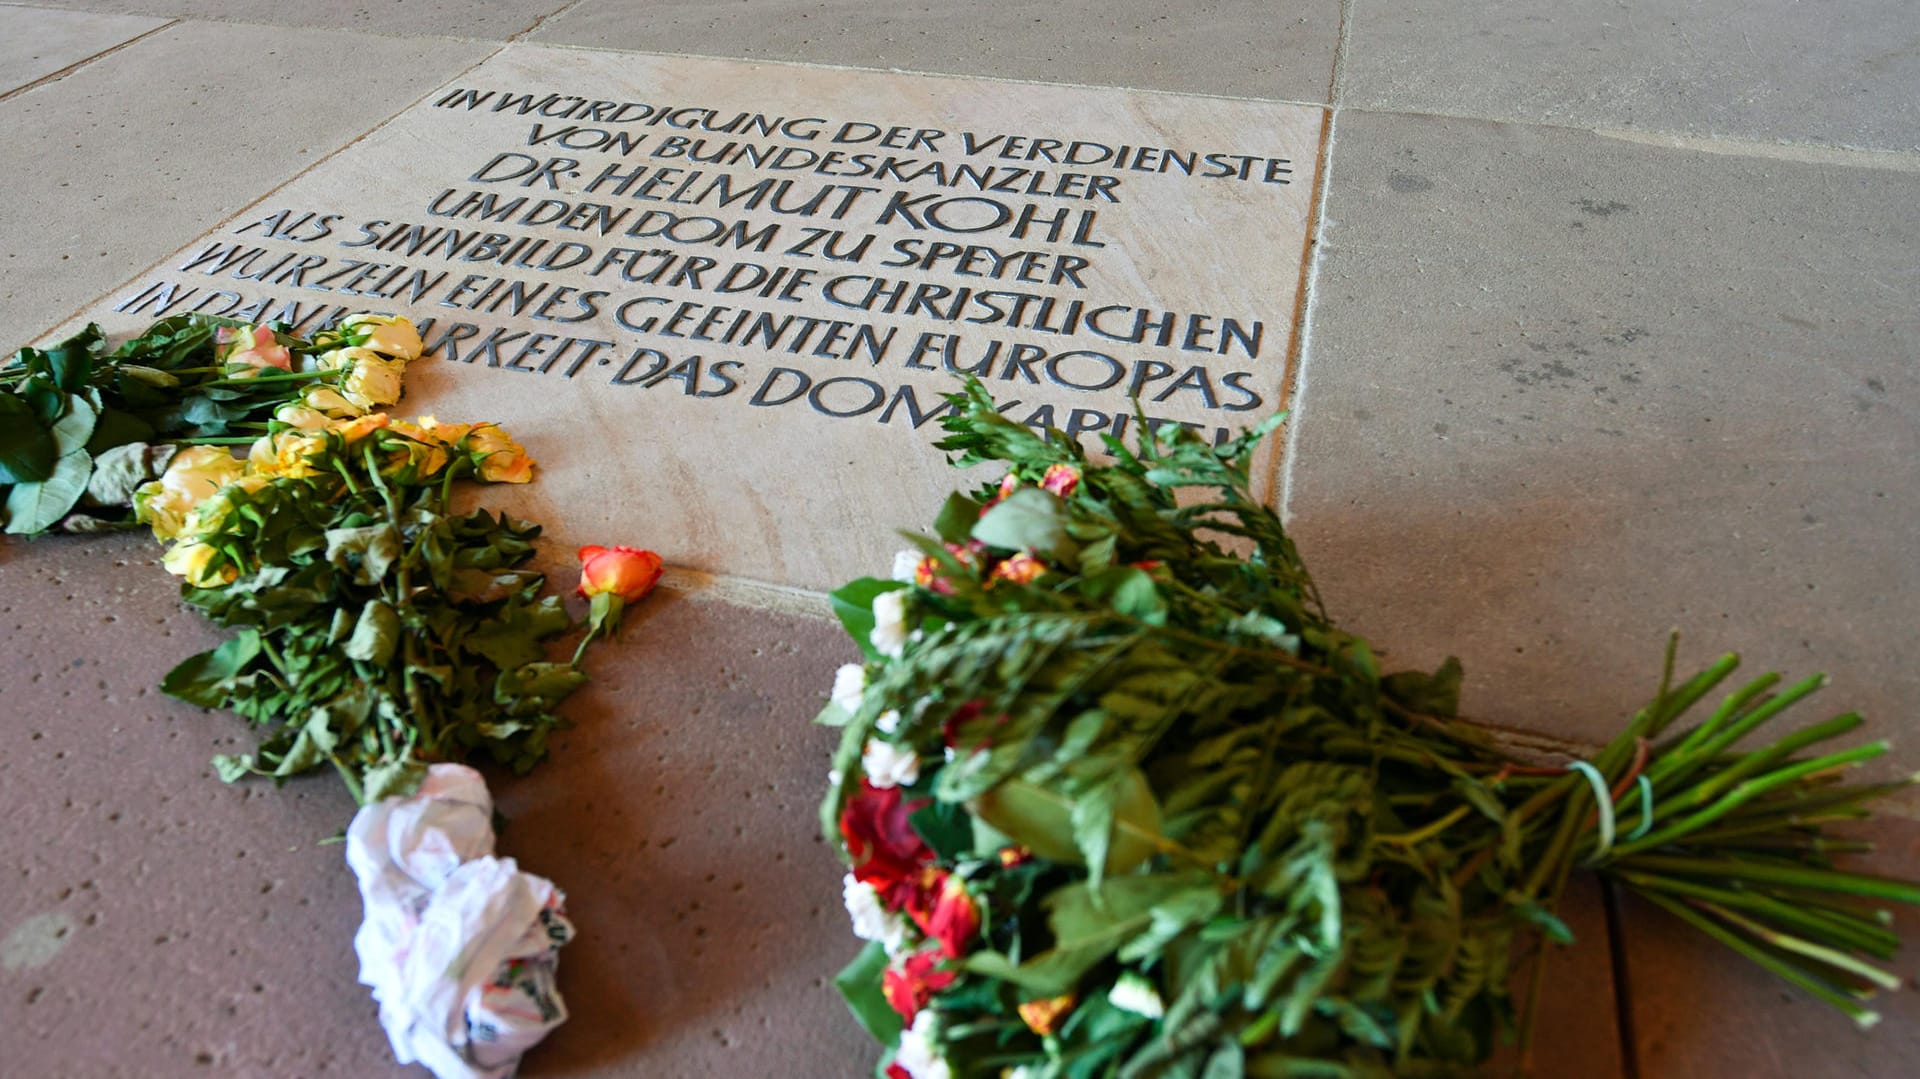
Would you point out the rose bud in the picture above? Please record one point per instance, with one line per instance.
(627, 572)
(1043, 1016)
(1060, 480)
(909, 986)
(1021, 568)
(953, 918)
(1011, 857)
(248, 350)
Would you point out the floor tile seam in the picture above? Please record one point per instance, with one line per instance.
(816, 65)
(163, 261)
(1343, 43)
(1756, 149)
(542, 20)
(1279, 484)
(1300, 377)
(85, 61)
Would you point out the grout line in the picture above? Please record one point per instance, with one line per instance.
(1622, 988)
(1301, 361)
(84, 61)
(1337, 87)
(164, 260)
(1279, 491)
(541, 20)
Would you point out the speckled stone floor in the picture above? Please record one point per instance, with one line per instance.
(1611, 324)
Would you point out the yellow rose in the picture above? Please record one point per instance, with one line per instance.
(373, 381)
(497, 457)
(428, 429)
(287, 455)
(359, 427)
(392, 335)
(330, 401)
(199, 563)
(306, 419)
(194, 475)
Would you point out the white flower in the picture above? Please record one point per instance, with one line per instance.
(889, 635)
(834, 776)
(917, 1053)
(871, 919)
(888, 765)
(1135, 994)
(904, 563)
(849, 683)
(888, 722)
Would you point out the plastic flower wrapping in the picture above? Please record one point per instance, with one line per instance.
(1117, 798)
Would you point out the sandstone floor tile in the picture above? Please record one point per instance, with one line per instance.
(739, 325)
(494, 21)
(1699, 1009)
(1828, 74)
(1243, 48)
(137, 155)
(158, 923)
(35, 42)
(1563, 394)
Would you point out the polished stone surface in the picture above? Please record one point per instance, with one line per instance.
(662, 319)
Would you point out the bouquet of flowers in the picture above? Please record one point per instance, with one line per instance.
(1118, 799)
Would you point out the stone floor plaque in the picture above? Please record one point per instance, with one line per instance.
(720, 301)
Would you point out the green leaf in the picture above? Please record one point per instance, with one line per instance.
(204, 679)
(375, 635)
(35, 507)
(1088, 926)
(1043, 820)
(513, 637)
(1436, 694)
(75, 426)
(860, 984)
(26, 448)
(945, 827)
(1029, 519)
(391, 779)
(365, 552)
(537, 683)
(70, 363)
(232, 768)
(120, 471)
(853, 603)
(957, 518)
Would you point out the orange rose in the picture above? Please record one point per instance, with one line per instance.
(626, 572)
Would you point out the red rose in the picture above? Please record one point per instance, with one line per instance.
(950, 917)
(911, 985)
(895, 1071)
(627, 572)
(887, 853)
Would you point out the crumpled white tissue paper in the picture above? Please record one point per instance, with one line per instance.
(460, 947)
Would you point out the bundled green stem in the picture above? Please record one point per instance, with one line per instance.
(1146, 757)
